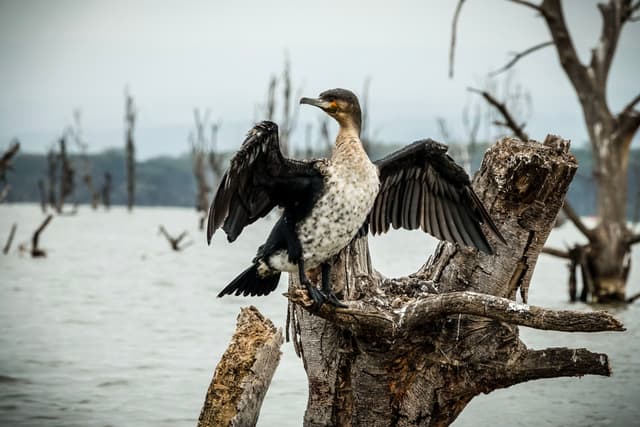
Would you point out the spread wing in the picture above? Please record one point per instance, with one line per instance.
(421, 186)
(258, 179)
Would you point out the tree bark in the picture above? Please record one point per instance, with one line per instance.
(414, 351)
(244, 373)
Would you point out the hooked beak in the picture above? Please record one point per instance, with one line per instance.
(327, 106)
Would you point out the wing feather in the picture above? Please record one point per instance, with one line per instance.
(258, 179)
(421, 186)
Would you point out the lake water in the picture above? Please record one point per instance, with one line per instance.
(115, 329)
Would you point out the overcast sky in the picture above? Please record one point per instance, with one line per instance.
(58, 56)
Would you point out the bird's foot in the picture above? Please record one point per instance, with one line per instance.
(316, 296)
(332, 299)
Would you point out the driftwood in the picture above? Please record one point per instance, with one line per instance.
(12, 233)
(174, 242)
(244, 373)
(414, 351)
(36, 252)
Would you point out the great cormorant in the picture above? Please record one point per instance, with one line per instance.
(327, 202)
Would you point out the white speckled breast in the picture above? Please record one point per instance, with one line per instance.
(351, 186)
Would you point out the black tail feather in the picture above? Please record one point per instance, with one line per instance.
(250, 283)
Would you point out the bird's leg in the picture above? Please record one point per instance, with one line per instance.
(326, 287)
(294, 252)
(317, 296)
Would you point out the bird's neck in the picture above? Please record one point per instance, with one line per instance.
(348, 142)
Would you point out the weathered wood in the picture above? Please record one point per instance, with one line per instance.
(414, 351)
(243, 375)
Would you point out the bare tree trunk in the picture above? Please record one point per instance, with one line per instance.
(244, 373)
(608, 256)
(130, 120)
(414, 351)
(5, 165)
(607, 259)
(106, 191)
(12, 233)
(52, 167)
(43, 196)
(36, 251)
(198, 154)
(67, 175)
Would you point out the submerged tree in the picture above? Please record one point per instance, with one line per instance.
(106, 191)
(52, 177)
(67, 175)
(198, 156)
(130, 121)
(5, 165)
(75, 131)
(605, 260)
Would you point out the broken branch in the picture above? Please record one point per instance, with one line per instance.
(502, 108)
(454, 30)
(518, 56)
(576, 220)
(555, 252)
(434, 307)
(528, 4)
(553, 363)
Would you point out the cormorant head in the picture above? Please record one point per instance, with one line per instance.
(341, 104)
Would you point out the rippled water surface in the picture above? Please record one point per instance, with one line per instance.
(113, 328)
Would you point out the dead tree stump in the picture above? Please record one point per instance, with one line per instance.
(244, 373)
(414, 351)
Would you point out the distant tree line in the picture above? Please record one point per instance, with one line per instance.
(169, 181)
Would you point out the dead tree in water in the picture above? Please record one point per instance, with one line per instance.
(198, 157)
(605, 261)
(36, 251)
(106, 191)
(76, 133)
(67, 175)
(216, 161)
(12, 233)
(5, 165)
(289, 119)
(52, 177)
(130, 121)
(174, 242)
(43, 196)
(413, 351)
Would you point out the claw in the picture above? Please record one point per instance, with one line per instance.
(316, 296)
(333, 300)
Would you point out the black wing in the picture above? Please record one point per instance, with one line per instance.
(421, 186)
(258, 179)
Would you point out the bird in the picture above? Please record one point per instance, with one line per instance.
(326, 203)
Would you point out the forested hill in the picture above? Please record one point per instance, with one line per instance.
(168, 181)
